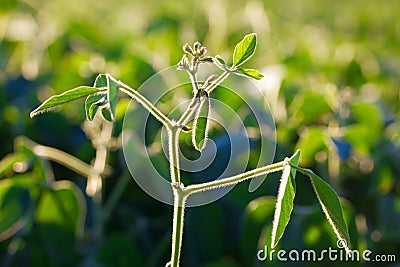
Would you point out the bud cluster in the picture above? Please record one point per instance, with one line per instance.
(197, 55)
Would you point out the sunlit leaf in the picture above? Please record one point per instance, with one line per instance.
(331, 206)
(101, 81)
(201, 124)
(285, 198)
(252, 73)
(311, 141)
(113, 87)
(220, 60)
(109, 103)
(65, 97)
(308, 106)
(244, 49)
(360, 137)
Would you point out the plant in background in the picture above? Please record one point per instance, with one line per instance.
(37, 199)
(103, 97)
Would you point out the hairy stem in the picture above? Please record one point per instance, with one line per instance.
(194, 103)
(173, 145)
(193, 80)
(190, 110)
(196, 188)
(179, 211)
(216, 82)
(146, 104)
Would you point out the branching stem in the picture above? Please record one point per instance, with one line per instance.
(146, 104)
(196, 188)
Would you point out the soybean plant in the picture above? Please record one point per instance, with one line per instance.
(103, 97)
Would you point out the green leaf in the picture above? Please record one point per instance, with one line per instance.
(220, 60)
(108, 110)
(113, 88)
(63, 205)
(65, 97)
(244, 49)
(257, 214)
(250, 73)
(201, 124)
(15, 205)
(311, 141)
(307, 106)
(101, 81)
(284, 202)
(331, 206)
(107, 114)
(92, 104)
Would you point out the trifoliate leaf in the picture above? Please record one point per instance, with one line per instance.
(66, 97)
(285, 198)
(244, 49)
(252, 73)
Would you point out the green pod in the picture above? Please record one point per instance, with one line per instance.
(201, 123)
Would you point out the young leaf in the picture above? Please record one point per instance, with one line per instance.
(101, 81)
(284, 202)
(201, 124)
(92, 104)
(65, 97)
(113, 87)
(107, 114)
(244, 49)
(108, 110)
(252, 73)
(220, 60)
(331, 206)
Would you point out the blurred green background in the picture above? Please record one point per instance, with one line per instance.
(332, 77)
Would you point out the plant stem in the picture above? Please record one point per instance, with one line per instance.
(179, 211)
(193, 105)
(95, 181)
(216, 82)
(193, 79)
(55, 155)
(179, 198)
(196, 188)
(173, 145)
(191, 109)
(146, 104)
(180, 192)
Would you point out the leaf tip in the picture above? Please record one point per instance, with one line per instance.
(296, 154)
